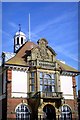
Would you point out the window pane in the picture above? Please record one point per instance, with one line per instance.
(45, 88)
(52, 82)
(41, 74)
(49, 82)
(41, 87)
(45, 81)
(41, 81)
(52, 76)
(53, 89)
(32, 75)
(32, 81)
(47, 76)
(32, 88)
(50, 88)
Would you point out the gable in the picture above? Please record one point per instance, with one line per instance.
(42, 51)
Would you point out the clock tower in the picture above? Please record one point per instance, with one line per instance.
(19, 39)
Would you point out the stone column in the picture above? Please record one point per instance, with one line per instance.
(57, 78)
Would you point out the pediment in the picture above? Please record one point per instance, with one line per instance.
(42, 51)
(42, 42)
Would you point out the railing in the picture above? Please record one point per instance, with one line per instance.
(46, 95)
(38, 94)
(51, 95)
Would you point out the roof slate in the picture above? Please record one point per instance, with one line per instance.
(66, 67)
(19, 58)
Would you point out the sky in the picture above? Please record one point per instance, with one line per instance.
(57, 22)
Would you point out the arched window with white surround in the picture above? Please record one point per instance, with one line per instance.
(66, 113)
(22, 112)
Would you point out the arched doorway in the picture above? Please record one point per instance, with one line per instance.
(66, 113)
(49, 112)
(22, 112)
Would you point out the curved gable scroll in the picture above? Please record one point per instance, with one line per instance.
(42, 41)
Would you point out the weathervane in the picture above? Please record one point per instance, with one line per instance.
(19, 27)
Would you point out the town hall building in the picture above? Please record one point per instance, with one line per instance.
(35, 85)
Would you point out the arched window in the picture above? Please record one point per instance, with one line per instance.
(47, 82)
(17, 40)
(66, 113)
(22, 112)
(21, 40)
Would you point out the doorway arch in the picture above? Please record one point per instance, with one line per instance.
(49, 112)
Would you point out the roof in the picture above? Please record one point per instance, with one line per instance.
(65, 67)
(19, 58)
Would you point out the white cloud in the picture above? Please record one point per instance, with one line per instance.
(63, 19)
(66, 52)
(6, 33)
(14, 25)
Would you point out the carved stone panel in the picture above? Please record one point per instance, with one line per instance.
(43, 49)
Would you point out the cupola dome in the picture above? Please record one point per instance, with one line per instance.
(20, 33)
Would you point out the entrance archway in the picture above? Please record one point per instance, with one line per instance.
(49, 112)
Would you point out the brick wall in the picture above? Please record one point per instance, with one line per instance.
(12, 104)
(73, 103)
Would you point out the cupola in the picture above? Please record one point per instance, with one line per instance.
(19, 39)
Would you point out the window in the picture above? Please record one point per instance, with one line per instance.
(41, 74)
(66, 113)
(32, 82)
(17, 40)
(22, 112)
(21, 40)
(47, 82)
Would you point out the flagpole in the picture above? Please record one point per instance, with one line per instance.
(29, 27)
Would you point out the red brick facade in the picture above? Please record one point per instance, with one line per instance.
(73, 103)
(13, 102)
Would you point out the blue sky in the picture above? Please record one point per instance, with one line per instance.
(55, 21)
